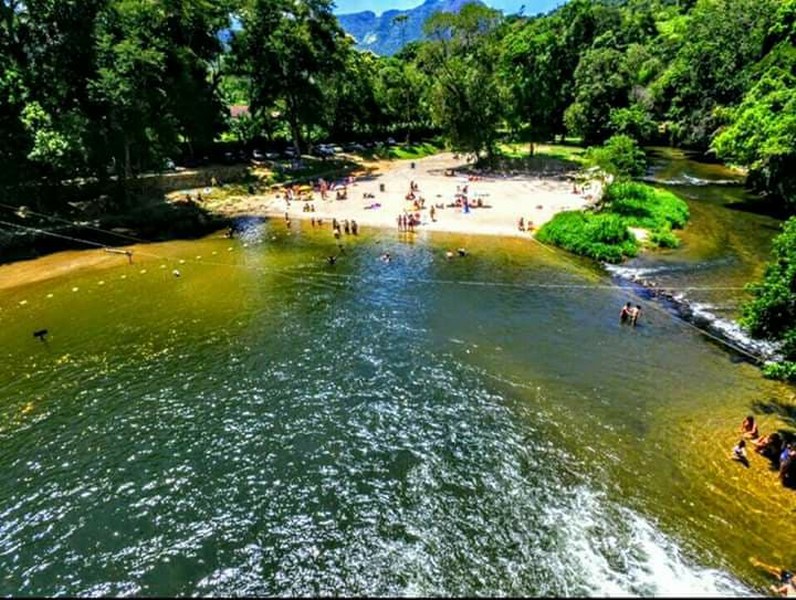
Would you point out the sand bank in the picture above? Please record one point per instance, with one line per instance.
(506, 198)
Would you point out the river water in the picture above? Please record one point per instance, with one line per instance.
(266, 423)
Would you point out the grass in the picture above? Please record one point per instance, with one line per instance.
(403, 151)
(604, 234)
(567, 153)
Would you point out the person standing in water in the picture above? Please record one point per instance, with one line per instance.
(624, 314)
(635, 313)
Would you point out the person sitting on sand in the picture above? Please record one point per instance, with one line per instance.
(749, 428)
(739, 452)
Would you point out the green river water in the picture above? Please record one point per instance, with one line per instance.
(269, 424)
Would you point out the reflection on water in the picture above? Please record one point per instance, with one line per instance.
(269, 424)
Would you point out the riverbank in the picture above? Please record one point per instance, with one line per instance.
(376, 196)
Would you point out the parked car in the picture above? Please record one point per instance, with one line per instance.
(323, 150)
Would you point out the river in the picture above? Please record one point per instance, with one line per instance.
(266, 423)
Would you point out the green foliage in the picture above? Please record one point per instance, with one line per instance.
(466, 93)
(620, 156)
(761, 131)
(602, 237)
(605, 235)
(771, 313)
(645, 206)
(290, 51)
(783, 371)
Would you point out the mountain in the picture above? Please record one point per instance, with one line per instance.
(382, 35)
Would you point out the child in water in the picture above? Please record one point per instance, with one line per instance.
(739, 453)
(749, 428)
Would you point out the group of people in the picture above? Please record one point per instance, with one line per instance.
(772, 446)
(630, 314)
(523, 227)
(348, 227)
(408, 222)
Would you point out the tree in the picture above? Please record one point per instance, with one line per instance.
(290, 50)
(710, 70)
(761, 131)
(771, 313)
(466, 93)
(620, 156)
(602, 84)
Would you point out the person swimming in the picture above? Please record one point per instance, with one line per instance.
(787, 584)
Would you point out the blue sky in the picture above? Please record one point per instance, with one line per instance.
(532, 7)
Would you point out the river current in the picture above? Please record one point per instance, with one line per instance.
(266, 423)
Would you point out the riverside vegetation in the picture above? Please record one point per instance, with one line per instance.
(106, 90)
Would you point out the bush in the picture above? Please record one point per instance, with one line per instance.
(620, 156)
(646, 206)
(601, 236)
(605, 235)
(771, 313)
(664, 239)
(784, 371)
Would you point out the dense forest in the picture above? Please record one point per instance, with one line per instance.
(108, 89)
(115, 87)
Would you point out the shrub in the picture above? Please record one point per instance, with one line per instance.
(620, 156)
(605, 235)
(601, 236)
(771, 313)
(646, 206)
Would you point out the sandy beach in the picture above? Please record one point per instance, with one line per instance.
(505, 198)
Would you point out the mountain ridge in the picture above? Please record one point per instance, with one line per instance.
(381, 35)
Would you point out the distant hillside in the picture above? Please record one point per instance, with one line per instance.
(382, 36)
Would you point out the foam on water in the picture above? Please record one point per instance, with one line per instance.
(617, 552)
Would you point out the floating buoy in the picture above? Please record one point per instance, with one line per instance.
(23, 302)
(100, 283)
(49, 295)
(124, 277)
(74, 289)
(229, 249)
(198, 257)
(143, 271)
(182, 261)
(214, 252)
(162, 266)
